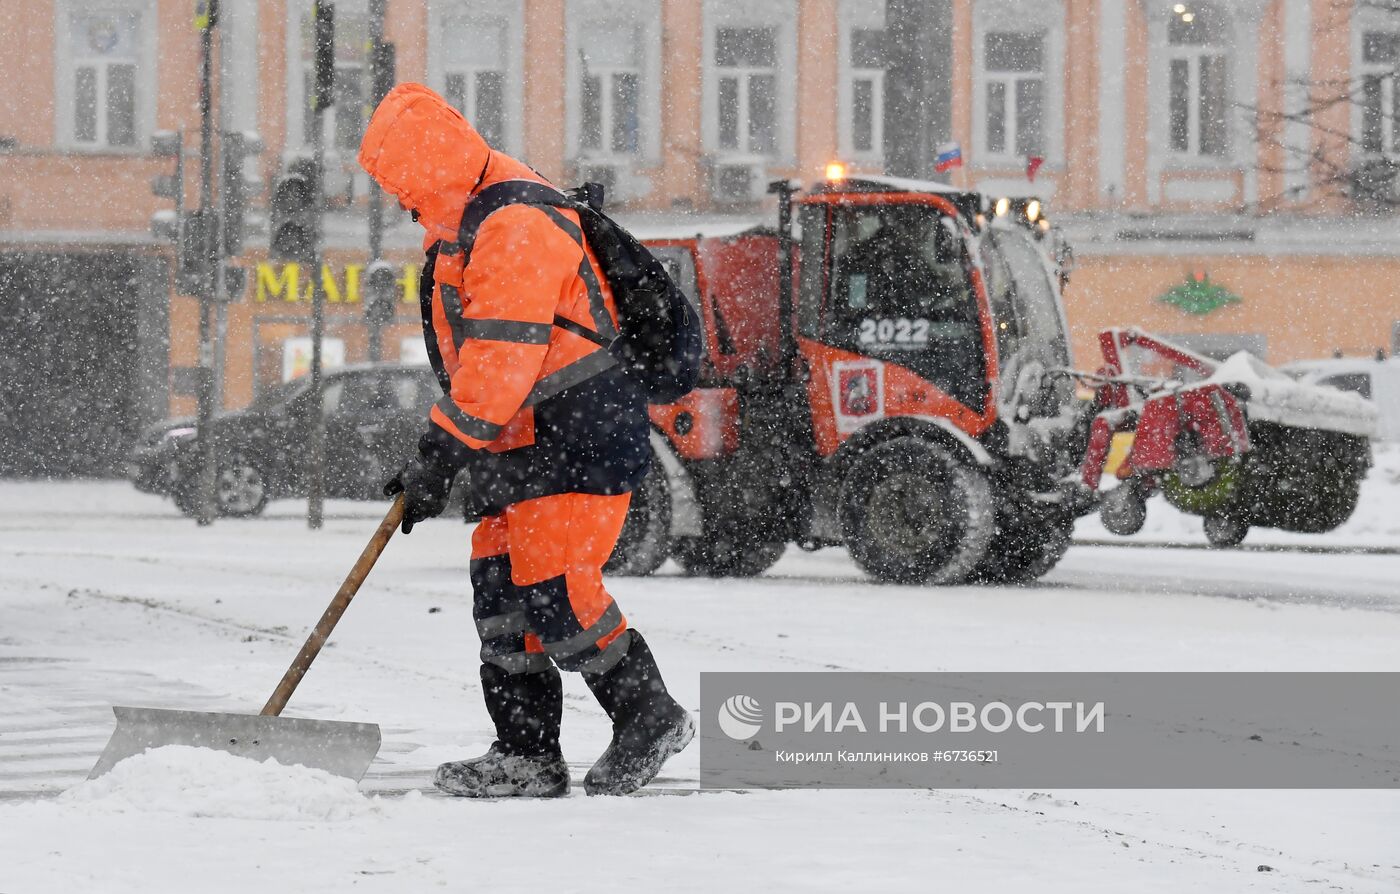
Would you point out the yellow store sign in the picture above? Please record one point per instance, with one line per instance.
(285, 282)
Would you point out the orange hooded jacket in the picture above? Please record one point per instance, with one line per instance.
(494, 319)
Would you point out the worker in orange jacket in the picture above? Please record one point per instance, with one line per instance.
(554, 436)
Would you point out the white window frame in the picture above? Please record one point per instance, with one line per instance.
(854, 15)
(510, 14)
(743, 77)
(645, 16)
(65, 71)
(1242, 51)
(1011, 110)
(1194, 55)
(470, 103)
(781, 16)
(1045, 18)
(1367, 21)
(608, 112)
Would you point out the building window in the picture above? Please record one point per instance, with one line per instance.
(104, 54)
(474, 76)
(746, 60)
(1198, 81)
(867, 92)
(1014, 81)
(476, 61)
(610, 89)
(344, 121)
(1380, 115)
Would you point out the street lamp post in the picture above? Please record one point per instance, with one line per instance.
(382, 65)
(207, 19)
(324, 80)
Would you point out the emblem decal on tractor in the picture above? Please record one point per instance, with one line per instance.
(858, 394)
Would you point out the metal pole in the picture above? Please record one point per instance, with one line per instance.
(316, 490)
(376, 195)
(208, 275)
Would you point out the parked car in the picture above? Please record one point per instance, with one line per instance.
(1376, 380)
(374, 414)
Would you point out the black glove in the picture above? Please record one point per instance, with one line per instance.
(425, 482)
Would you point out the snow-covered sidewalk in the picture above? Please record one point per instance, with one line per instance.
(110, 597)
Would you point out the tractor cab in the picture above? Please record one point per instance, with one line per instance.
(887, 280)
(916, 300)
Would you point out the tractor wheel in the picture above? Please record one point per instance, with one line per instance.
(912, 512)
(645, 542)
(726, 557)
(1224, 530)
(1025, 547)
(723, 557)
(1123, 510)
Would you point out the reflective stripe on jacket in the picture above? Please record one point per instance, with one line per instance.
(517, 311)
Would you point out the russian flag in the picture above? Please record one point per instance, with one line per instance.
(949, 157)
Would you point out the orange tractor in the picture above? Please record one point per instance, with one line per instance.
(882, 373)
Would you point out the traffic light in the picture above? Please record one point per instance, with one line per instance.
(193, 252)
(383, 63)
(184, 228)
(381, 291)
(165, 224)
(206, 14)
(295, 218)
(323, 34)
(237, 182)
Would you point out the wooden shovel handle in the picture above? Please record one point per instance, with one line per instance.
(283, 693)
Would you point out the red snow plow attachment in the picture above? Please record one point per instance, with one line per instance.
(1233, 441)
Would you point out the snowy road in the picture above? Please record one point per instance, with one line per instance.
(108, 597)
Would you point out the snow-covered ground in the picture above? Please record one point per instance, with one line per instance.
(107, 596)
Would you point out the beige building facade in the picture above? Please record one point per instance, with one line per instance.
(1176, 142)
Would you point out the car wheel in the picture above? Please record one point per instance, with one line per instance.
(239, 488)
(913, 512)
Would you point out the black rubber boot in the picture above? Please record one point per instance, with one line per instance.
(648, 725)
(525, 760)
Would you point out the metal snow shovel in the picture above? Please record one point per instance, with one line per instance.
(345, 749)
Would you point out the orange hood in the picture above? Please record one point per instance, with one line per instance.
(420, 149)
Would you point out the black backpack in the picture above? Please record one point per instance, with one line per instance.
(658, 342)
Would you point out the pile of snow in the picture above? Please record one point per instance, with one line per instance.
(203, 782)
(1274, 397)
